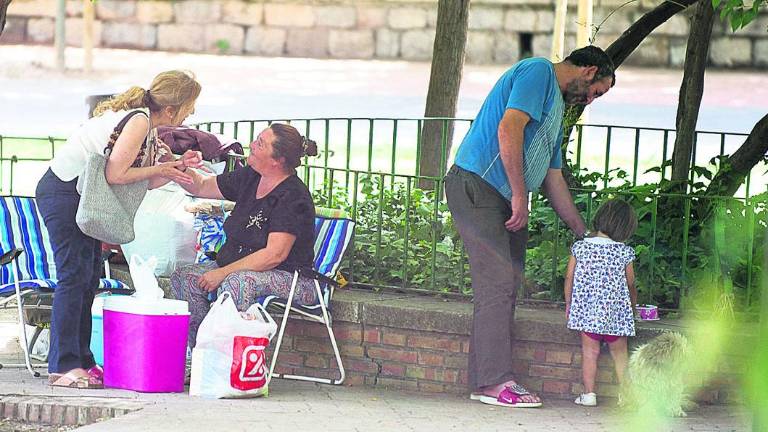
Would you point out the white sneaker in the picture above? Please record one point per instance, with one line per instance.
(586, 399)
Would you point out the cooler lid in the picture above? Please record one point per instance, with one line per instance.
(134, 305)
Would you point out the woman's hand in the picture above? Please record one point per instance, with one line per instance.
(172, 171)
(193, 159)
(164, 153)
(211, 280)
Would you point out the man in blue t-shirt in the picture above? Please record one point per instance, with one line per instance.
(512, 149)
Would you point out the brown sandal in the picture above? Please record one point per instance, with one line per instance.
(73, 379)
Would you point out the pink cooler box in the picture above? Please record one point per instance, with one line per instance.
(145, 344)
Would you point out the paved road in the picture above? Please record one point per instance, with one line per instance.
(37, 100)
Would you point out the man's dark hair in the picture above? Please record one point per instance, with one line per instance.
(593, 56)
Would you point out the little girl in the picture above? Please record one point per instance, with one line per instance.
(600, 292)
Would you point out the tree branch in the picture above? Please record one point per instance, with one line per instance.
(734, 170)
(691, 91)
(621, 48)
(3, 10)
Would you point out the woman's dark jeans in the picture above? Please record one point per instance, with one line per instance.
(78, 261)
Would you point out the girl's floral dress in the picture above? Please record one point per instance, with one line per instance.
(600, 300)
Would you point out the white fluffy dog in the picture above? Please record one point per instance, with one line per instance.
(657, 372)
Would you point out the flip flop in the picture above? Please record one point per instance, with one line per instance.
(72, 379)
(510, 397)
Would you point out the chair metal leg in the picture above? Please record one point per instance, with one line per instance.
(327, 323)
(283, 322)
(23, 341)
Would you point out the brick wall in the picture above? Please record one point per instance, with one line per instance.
(546, 357)
(499, 32)
(377, 355)
(421, 343)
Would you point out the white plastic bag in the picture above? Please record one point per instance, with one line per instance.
(229, 360)
(143, 277)
(164, 229)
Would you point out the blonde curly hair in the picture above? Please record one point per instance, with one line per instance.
(173, 88)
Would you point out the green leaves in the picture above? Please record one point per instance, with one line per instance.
(405, 237)
(398, 240)
(737, 13)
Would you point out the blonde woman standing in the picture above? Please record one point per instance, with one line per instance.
(127, 125)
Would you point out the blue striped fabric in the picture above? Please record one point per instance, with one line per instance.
(22, 226)
(332, 236)
(51, 284)
(331, 239)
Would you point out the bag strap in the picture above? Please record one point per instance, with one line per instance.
(116, 133)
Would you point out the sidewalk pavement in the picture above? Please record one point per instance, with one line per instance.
(293, 406)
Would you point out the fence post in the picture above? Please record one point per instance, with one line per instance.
(60, 36)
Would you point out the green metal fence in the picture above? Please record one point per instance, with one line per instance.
(405, 239)
(23, 161)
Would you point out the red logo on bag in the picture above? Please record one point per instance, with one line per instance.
(249, 365)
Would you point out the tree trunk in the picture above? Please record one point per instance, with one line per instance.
(3, 10)
(691, 91)
(444, 82)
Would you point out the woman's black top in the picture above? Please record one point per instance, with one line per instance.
(287, 208)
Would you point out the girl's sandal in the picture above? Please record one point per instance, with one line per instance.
(72, 379)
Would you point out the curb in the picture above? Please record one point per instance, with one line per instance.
(70, 411)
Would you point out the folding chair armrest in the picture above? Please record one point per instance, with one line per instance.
(312, 274)
(11, 255)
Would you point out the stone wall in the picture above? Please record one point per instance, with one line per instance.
(501, 31)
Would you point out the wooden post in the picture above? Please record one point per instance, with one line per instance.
(583, 38)
(558, 32)
(60, 41)
(88, 17)
(584, 25)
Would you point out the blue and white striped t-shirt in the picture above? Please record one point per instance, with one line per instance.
(529, 86)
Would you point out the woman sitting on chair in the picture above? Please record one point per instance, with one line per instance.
(270, 231)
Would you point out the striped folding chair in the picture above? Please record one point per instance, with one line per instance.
(333, 233)
(30, 281)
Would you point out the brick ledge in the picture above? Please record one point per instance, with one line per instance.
(53, 410)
